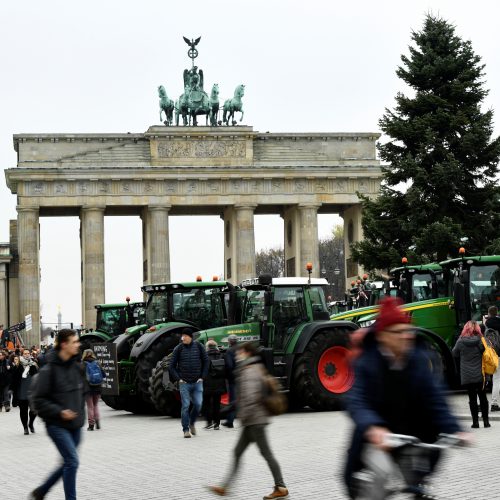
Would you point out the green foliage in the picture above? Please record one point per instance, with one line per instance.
(270, 261)
(439, 185)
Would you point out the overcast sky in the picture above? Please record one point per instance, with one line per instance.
(94, 66)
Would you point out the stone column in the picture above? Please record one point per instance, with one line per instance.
(353, 232)
(157, 253)
(29, 270)
(239, 248)
(309, 245)
(245, 242)
(93, 275)
(4, 296)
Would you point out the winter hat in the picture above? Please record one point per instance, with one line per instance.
(187, 331)
(390, 314)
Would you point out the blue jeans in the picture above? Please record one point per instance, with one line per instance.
(66, 442)
(190, 393)
(231, 389)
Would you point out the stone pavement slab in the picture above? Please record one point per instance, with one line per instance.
(144, 457)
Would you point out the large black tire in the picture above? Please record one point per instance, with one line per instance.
(307, 387)
(163, 391)
(131, 404)
(147, 363)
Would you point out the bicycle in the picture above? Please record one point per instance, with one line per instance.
(408, 457)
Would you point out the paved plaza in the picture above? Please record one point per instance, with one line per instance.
(145, 457)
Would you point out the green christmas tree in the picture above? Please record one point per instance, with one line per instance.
(439, 187)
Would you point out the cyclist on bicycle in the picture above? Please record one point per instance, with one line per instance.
(394, 392)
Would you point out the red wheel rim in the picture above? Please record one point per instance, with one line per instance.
(334, 370)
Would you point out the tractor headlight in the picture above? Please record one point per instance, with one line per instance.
(366, 324)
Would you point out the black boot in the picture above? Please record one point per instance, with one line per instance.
(36, 495)
(474, 411)
(90, 427)
(26, 431)
(97, 424)
(484, 412)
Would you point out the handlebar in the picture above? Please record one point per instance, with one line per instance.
(444, 441)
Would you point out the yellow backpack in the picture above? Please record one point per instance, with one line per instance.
(490, 358)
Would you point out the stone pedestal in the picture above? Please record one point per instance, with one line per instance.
(156, 250)
(301, 239)
(29, 271)
(353, 232)
(93, 275)
(239, 247)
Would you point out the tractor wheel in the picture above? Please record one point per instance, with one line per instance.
(163, 393)
(323, 373)
(132, 404)
(148, 361)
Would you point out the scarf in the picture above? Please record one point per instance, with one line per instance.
(26, 364)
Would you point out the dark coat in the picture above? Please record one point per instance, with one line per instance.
(21, 385)
(189, 362)
(60, 387)
(214, 384)
(493, 322)
(5, 373)
(470, 352)
(230, 359)
(415, 405)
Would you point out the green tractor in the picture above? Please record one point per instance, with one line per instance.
(411, 283)
(301, 346)
(467, 287)
(171, 307)
(112, 320)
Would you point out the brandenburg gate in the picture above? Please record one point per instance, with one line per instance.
(183, 169)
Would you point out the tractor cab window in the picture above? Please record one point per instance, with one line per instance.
(421, 287)
(289, 310)
(254, 306)
(157, 309)
(318, 303)
(111, 321)
(484, 289)
(202, 306)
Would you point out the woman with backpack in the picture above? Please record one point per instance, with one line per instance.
(22, 377)
(94, 376)
(214, 386)
(469, 349)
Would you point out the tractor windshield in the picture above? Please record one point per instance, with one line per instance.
(254, 306)
(202, 306)
(111, 321)
(484, 289)
(422, 287)
(157, 309)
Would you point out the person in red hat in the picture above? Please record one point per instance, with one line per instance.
(394, 392)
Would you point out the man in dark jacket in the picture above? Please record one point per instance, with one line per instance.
(5, 381)
(58, 399)
(189, 365)
(493, 320)
(394, 392)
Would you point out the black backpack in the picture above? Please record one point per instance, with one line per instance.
(217, 368)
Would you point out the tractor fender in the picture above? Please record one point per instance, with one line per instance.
(145, 342)
(312, 329)
(102, 336)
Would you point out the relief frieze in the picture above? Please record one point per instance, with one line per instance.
(201, 149)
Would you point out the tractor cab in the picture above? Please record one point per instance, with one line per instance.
(114, 319)
(281, 305)
(476, 285)
(421, 282)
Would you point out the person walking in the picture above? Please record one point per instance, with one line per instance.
(254, 418)
(23, 376)
(396, 392)
(189, 366)
(230, 362)
(95, 376)
(5, 381)
(214, 385)
(59, 400)
(493, 320)
(469, 349)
